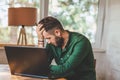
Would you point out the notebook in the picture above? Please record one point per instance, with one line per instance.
(27, 61)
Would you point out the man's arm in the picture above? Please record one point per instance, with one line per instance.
(50, 53)
(39, 31)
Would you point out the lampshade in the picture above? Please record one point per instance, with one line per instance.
(26, 16)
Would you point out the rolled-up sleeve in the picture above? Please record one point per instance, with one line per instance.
(50, 53)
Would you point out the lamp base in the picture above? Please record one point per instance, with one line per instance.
(22, 37)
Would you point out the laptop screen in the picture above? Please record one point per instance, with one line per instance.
(26, 60)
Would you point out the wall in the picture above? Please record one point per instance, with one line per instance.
(112, 39)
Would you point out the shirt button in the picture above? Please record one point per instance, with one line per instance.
(67, 55)
(61, 58)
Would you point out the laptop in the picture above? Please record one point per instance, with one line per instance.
(27, 61)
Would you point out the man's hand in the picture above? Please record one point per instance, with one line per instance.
(40, 31)
(40, 35)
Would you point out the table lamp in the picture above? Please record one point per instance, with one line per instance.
(22, 16)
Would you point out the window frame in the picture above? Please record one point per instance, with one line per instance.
(100, 24)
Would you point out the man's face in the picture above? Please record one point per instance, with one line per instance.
(54, 39)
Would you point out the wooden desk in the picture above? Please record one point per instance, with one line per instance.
(6, 75)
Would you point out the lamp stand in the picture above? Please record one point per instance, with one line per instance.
(22, 37)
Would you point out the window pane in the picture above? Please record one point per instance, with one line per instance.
(4, 30)
(76, 15)
(9, 34)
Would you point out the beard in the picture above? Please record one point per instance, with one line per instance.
(59, 41)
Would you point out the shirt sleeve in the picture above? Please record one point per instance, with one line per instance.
(78, 55)
(50, 56)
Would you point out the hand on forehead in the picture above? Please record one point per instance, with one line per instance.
(40, 29)
(40, 26)
(45, 33)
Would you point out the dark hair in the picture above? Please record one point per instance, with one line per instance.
(50, 23)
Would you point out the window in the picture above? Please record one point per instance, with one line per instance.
(9, 34)
(76, 15)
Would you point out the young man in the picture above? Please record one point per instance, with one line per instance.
(72, 51)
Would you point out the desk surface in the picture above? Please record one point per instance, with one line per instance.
(6, 75)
